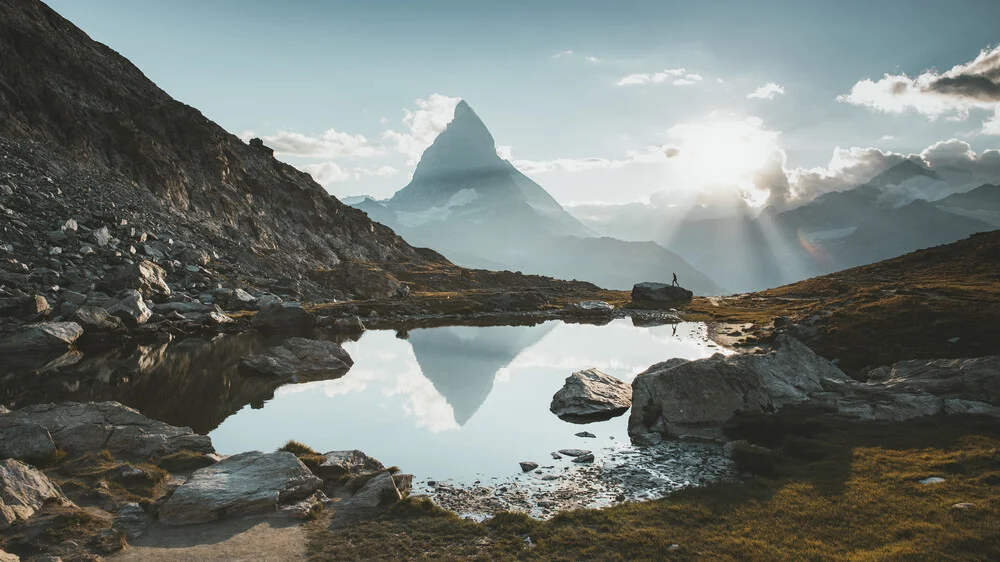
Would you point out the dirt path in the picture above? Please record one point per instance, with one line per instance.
(251, 538)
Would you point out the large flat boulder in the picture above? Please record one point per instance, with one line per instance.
(95, 319)
(283, 317)
(976, 379)
(299, 356)
(694, 398)
(23, 491)
(41, 337)
(660, 293)
(131, 308)
(78, 427)
(591, 395)
(252, 482)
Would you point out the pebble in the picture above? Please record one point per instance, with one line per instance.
(932, 480)
(586, 434)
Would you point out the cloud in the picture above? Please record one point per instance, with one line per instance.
(952, 94)
(766, 92)
(992, 125)
(561, 54)
(688, 80)
(648, 155)
(641, 78)
(424, 125)
(375, 171)
(328, 144)
(594, 60)
(326, 173)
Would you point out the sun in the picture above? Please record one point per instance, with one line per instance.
(720, 156)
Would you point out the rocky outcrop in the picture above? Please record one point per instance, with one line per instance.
(78, 427)
(591, 395)
(694, 398)
(341, 463)
(976, 379)
(252, 482)
(299, 356)
(23, 491)
(660, 293)
(380, 491)
(283, 317)
(681, 398)
(41, 337)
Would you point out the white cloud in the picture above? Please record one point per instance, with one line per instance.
(766, 92)
(374, 171)
(504, 152)
(383, 121)
(593, 59)
(641, 78)
(952, 94)
(688, 80)
(561, 54)
(328, 144)
(326, 173)
(424, 125)
(992, 125)
(886, 137)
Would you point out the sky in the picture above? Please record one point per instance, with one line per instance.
(599, 102)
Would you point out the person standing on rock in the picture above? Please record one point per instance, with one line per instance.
(674, 282)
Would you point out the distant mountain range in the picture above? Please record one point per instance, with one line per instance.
(834, 231)
(480, 211)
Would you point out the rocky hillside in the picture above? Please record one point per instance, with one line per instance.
(86, 136)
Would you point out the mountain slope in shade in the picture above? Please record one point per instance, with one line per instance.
(76, 111)
(478, 210)
(981, 203)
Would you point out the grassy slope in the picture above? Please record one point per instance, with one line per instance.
(904, 308)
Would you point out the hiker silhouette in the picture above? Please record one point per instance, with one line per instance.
(674, 282)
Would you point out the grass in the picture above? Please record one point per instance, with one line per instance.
(856, 496)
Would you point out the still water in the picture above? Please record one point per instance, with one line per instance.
(459, 403)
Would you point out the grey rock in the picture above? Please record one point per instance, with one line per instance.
(591, 395)
(574, 452)
(343, 463)
(299, 356)
(79, 427)
(380, 491)
(194, 256)
(95, 319)
(586, 458)
(102, 236)
(69, 225)
(695, 398)
(586, 434)
(660, 293)
(932, 480)
(555, 455)
(143, 276)
(241, 300)
(180, 306)
(23, 491)
(285, 317)
(252, 482)
(131, 309)
(42, 336)
(528, 466)
(73, 297)
(27, 441)
(976, 379)
(131, 520)
(352, 325)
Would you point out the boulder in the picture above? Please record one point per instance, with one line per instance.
(41, 337)
(590, 308)
(102, 236)
(660, 293)
(694, 398)
(351, 325)
(591, 395)
(95, 319)
(252, 482)
(23, 491)
(528, 466)
(144, 276)
(380, 491)
(241, 300)
(27, 441)
(976, 379)
(181, 307)
(283, 317)
(131, 309)
(343, 463)
(78, 427)
(299, 356)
